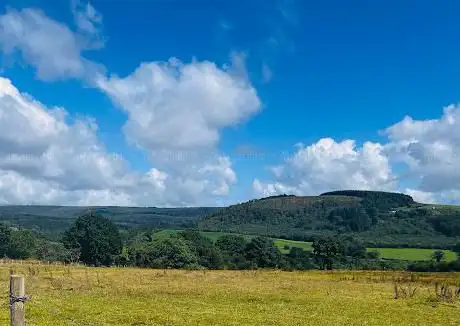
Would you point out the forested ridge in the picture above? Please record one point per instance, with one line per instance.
(376, 218)
(51, 221)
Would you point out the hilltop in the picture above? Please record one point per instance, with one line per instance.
(377, 218)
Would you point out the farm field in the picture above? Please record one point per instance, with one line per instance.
(415, 254)
(411, 254)
(110, 296)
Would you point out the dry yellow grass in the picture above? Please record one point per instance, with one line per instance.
(110, 296)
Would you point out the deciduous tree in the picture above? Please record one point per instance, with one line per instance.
(438, 255)
(263, 252)
(96, 237)
(326, 250)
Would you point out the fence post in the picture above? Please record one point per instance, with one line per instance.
(17, 300)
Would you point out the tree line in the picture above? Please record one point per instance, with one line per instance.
(96, 241)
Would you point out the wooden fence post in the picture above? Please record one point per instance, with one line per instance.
(17, 300)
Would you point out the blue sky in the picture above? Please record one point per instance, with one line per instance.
(329, 70)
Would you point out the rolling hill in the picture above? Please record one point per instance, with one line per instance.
(377, 218)
(52, 220)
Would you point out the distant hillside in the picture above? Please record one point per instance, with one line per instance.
(51, 220)
(378, 218)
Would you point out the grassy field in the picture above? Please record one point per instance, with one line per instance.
(412, 254)
(281, 243)
(447, 207)
(109, 296)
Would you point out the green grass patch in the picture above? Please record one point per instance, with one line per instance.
(414, 254)
(447, 209)
(216, 235)
(282, 243)
(213, 236)
(165, 233)
(451, 207)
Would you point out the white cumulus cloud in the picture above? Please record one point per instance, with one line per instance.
(43, 159)
(175, 105)
(431, 151)
(329, 165)
(50, 47)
